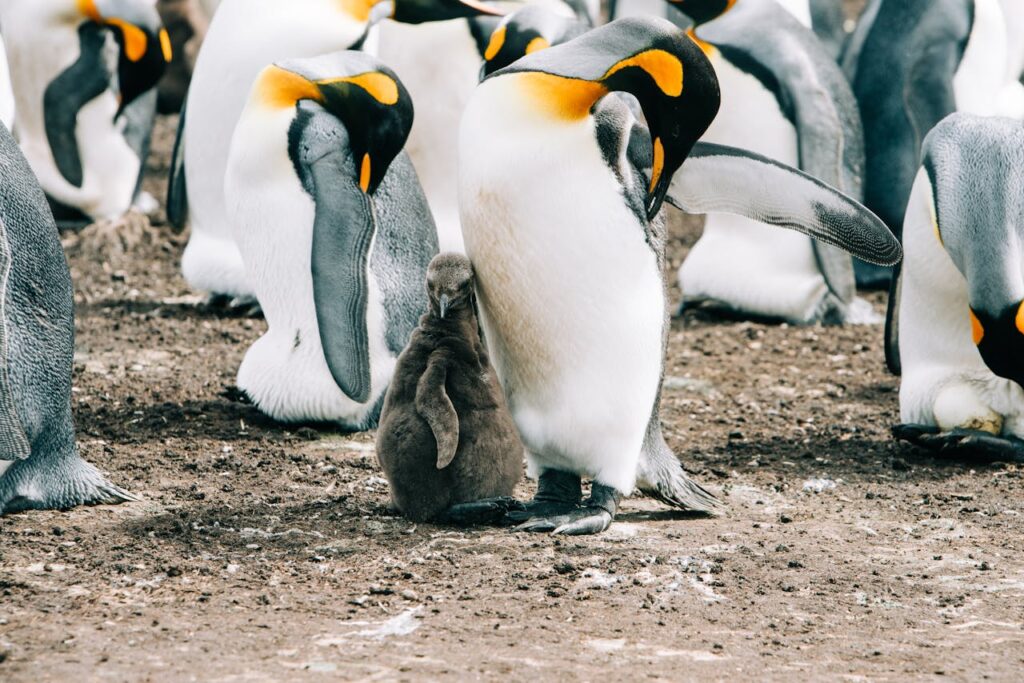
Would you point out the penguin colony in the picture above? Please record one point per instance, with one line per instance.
(329, 151)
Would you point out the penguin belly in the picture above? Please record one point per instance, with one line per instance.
(285, 372)
(945, 382)
(110, 167)
(440, 85)
(571, 296)
(743, 264)
(980, 77)
(248, 35)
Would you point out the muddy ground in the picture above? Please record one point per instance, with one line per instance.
(266, 552)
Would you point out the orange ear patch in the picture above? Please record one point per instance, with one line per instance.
(664, 68)
(135, 40)
(1020, 318)
(659, 163)
(88, 8)
(364, 173)
(380, 86)
(977, 331)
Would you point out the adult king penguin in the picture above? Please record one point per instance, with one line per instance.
(912, 63)
(40, 466)
(961, 305)
(785, 97)
(335, 233)
(559, 192)
(244, 37)
(83, 123)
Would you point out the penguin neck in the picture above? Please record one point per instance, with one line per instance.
(461, 318)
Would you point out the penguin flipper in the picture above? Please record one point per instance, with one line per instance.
(14, 444)
(343, 229)
(177, 192)
(730, 180)
(434, 406)
(892, 324)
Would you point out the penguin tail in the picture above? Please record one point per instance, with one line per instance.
(661, 477)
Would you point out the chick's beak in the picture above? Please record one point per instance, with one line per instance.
(443, 304)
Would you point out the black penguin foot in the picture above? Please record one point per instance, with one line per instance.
(969, 443)
(240, 306)
(488, 511)
(557, 493)
(593, 517)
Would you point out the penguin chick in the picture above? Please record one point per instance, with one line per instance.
(446, 442)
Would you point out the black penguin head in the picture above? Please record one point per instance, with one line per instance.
(421, 11)
(643, 56)
(449, 284)
(1000, 340)
(359, 91)
(526, 31)
(145, 47)
(702, 11)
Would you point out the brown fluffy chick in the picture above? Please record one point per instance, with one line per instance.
(446, 440)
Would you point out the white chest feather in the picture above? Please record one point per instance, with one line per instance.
(980, 77)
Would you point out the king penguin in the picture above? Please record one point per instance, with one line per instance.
(84, 74)
(569, 256)
(335, 234)
(40, 466)
(244, 37)
(785, 97)
(961, 307)
(912, 63)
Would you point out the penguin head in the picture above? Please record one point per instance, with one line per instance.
(702, 11)
(976, 167)
(356, 89)
(649, 58)
(145, 47)
(421, 11)
(525, 31)
(449, 284)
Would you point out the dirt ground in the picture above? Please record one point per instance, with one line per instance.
(266, 552)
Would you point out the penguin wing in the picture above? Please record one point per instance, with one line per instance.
(343, 228)
(814, 95)
(177, 193)
(66, 94)
(13, 440)
(434, 406)
(892, 324)
(730, 180)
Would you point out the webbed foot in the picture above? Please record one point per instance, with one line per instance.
(593, 517)
(39, 484)
(557, 493)
(480, 512)
(241, 306)
(962, 442)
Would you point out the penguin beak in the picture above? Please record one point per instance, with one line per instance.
(443, 303)
(421, 11)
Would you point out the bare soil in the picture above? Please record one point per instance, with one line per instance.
(266, 552)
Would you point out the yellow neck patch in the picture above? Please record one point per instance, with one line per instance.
(977, 331)
(564, 98)
(708, 49)
(380, 86)
(1020, 318)
(494, 46)
(165, 46)
(358, 9)
(279, 88)
(665, 69)
(88, 8)
(537, 43)
(364, 173)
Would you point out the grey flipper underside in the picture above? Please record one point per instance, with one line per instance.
(177, 192)
(14, 443)
(730, 180)
(813, 94)
(80, 83)
(342, 232)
